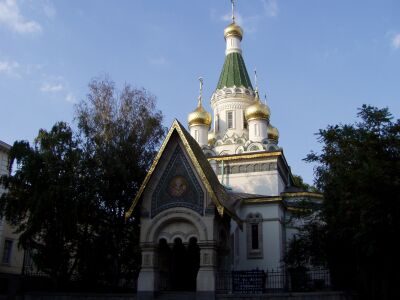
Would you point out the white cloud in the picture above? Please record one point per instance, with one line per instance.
(70, 98)
(8, 67)
(396, 41)
(271, 7)
(51, 88)
(11, 17)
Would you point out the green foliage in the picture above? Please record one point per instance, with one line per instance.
(120, 133)
(43, 201)
(299, 182)
(307, 248)
(358, 171)
(69, 193)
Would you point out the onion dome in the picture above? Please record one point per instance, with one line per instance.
(199, 116)
(273, 133)
(257, 111)
(212, 138)
(233, 30)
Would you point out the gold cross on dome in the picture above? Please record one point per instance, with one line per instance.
(201, 89)
(255, 79)
(233, 11)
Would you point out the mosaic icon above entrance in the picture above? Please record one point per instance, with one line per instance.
(178, 187)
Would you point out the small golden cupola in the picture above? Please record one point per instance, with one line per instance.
(273, 133)
(257, 110)
(233, 30)
(199, 121)
(199, 116)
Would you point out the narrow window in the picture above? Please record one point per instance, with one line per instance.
(254, 236)
(196, 135)
(216, 125)
(230, 119)
(7, 251)
(244, 122)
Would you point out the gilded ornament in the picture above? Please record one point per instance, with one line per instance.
(257, 111)
(273, 133)
(233, 30)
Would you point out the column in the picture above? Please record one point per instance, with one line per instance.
(207, 272)
(147, 281)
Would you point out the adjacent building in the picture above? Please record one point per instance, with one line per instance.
(11, 257)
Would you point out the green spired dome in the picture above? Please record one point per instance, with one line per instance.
(234, 72)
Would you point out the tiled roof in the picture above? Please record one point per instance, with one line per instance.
(234, 72)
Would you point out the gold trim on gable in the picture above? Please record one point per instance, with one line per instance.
(150, 172)
(199, 170)
(176, 126)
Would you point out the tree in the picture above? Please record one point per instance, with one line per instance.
(120, 134)
(69, 193)
(299, 182)
(359, 173)
(42, 199)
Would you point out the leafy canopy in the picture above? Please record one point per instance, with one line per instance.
(69, 192)
(358, 171)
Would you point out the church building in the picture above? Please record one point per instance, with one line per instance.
(219, 192)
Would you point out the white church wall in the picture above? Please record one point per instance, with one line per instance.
(272, 238)
(222, 108)
(281, 184)
(262, 183)
(200, 134)
(258, 130)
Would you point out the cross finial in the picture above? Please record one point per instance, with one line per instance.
(201, 90)
(255, 79)
(233, 11)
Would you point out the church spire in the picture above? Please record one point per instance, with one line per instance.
(234, 72)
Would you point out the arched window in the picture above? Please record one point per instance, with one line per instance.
(229, 119)
(254, 235)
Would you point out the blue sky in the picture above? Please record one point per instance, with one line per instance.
(317, 60)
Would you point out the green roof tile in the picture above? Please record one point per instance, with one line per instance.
(234, 72)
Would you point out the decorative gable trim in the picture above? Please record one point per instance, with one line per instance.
(206, 174)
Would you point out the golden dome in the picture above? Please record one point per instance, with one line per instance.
(212, 138)
(199, 116)
(257, 111)
(273, 133)
(233, 29)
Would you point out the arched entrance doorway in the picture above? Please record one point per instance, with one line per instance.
(178, 265)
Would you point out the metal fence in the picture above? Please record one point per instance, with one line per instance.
(273, 281)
